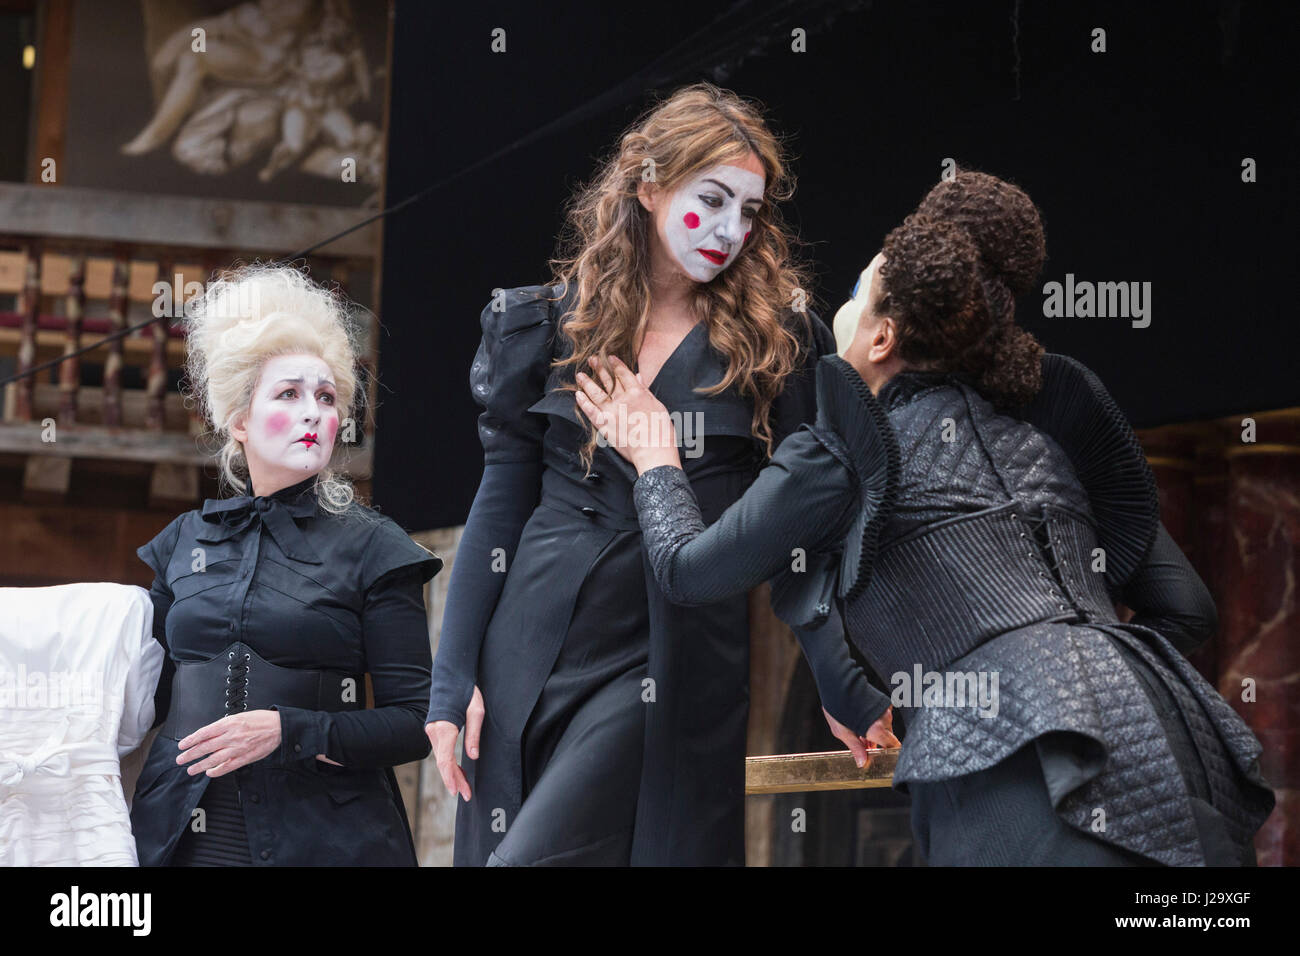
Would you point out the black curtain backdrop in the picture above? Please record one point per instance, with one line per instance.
(1134, 156)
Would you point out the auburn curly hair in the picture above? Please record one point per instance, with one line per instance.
(605, 251)
(977, 340)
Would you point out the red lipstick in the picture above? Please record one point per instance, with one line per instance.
(310, 437)
(714, 256)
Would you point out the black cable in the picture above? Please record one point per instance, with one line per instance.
(726, 47)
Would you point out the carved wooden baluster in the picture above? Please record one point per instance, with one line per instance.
(117, 309)
(70, 368)
(26, 391)
(156, 389)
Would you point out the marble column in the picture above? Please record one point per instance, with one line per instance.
(1208, 536)
(1260, 619)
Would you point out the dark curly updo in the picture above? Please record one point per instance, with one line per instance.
(977, 339)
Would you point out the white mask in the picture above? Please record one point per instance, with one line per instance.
(710, 217)
(289, 430)
(845, 323)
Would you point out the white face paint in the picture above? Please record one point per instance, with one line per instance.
(289, 431)
(709, 217)
(865, 297)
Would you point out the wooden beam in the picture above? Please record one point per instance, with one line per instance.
(91, 407)
(46, 479)
(49, 343)
(832, 770)
(90, 441)
(173, 485)
(95, 216)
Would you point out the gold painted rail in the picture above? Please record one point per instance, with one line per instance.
(832, 770)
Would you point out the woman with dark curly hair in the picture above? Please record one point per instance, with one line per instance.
(977, 558)
(984, 345)
(603, 723)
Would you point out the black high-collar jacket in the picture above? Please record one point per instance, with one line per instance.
(553, 520)
(309, 589)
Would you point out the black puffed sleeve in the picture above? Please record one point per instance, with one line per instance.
(1074, 408)
(510, 371)
(797, 403)
(157, 553)
(391, 548)
(847, 410)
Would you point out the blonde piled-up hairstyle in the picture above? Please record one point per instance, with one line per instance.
(245, 317)
(605, 251)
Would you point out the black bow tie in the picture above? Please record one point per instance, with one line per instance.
(230, 516)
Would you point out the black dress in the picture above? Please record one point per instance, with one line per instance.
(986, 548)
(615, 725)
(285, 589)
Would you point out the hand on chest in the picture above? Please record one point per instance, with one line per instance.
(675, 366)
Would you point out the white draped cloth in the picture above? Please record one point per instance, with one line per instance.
(78, 670)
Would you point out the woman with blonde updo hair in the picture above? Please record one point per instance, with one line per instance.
(250, 315)
(274, 605)
(604, 724)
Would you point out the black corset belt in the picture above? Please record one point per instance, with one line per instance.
(238, 679)
(938, 594)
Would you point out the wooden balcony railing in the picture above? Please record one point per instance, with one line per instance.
(832, 770)
(77, 267)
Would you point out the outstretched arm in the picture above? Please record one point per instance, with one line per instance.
(803, 494)
(801, 505)
(802, 502)
(846, 694)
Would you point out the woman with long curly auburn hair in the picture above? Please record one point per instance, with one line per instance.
(603, 723)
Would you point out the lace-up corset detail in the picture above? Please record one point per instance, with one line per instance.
(236, 681)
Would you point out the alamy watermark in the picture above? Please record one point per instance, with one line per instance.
(133, 911)
(22, 689)
(922, 688)
(642, 430)
(1083, 299)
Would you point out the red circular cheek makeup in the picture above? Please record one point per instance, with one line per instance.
(277, 422)
(692, 221)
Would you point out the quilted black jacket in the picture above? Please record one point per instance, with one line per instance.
(974, 545)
